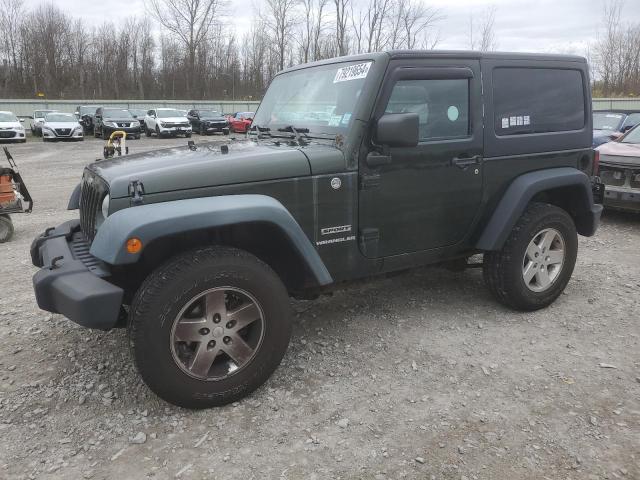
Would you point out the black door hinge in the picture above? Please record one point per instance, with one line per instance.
(136, 192)
(369, 180)
(369, 239)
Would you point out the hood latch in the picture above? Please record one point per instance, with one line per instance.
(136, 192)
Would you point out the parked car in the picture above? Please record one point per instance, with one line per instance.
(11, 129)
(139, 115)
(86, 117)
(620, 171)
(610, 125)
(197, 251)
(240, 122)
(166, 122)
(61, 126)
(38, 118)
(108, 120)
(208, 121)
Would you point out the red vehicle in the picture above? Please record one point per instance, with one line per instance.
(240, 122)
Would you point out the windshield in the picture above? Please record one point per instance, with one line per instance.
(7, 117)
(137, 113)
(40, 113)
(321, 98)
(632, 120)
(633, 136)
(116, 113)
(209, 114)
(90, 110)
(607, 121)
(169, 113)
(60, 117)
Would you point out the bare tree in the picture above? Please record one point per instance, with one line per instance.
(342, 20)
(485, 40)
(189, 21)
(280, 20)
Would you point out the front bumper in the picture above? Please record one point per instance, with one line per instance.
(216, 127)
(130, 131)
(54, 134)
(71, 281)
(175, 130)
(622, 198)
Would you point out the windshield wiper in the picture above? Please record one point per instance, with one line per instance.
(296, 131)
(259, 130)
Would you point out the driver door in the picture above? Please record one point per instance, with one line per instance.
(426, 196)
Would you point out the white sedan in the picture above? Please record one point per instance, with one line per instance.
(166, 122)
(10, 128)
(61, 126)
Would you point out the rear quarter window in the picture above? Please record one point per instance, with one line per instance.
(537, 100)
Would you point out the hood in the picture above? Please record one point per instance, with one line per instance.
(120, 119)
(173, 119)
(61, 124)
(213, 119)
(179, 168)
(10, 125)
(619, 152)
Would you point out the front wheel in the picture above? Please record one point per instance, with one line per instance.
(6, 228)
(147, 132)
(209, 327)
(536, 262)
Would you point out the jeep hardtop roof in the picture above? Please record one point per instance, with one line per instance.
(466, 54)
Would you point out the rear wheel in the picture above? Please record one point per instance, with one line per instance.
(209, 327)
(536, 262)
(6, 228)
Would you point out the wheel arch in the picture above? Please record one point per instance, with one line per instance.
(565, 187)
(255, 223)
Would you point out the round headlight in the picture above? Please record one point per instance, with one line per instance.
(105, 207)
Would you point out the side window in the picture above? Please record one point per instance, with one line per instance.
(441, 105)
(537, 100)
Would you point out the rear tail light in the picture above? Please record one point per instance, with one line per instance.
(596, 162)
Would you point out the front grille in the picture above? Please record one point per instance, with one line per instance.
(7, 134)
(171, 125)
(63, 132)
(92, 192)
(123, 124)
(612, 176)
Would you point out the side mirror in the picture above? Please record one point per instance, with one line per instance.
(76, 113)
(626, 128)
(398, 130)
(21, 120)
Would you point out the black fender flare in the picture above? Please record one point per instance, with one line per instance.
(524, 188)
(157, 220)
(74, 199)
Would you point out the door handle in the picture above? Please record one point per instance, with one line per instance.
(466, 162)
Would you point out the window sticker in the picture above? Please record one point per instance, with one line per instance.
(527, 120)
(345, 118)
(505, 122)
(519, 121)
(352, 72)
(513, 121)
(334, 121)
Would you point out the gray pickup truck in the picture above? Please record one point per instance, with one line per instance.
(353, 167)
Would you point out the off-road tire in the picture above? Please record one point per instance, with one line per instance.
(169, 288)
(502, 269)
(6, 228)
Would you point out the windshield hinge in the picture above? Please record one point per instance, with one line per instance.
(136, 192)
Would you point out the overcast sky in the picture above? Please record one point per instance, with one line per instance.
(564, 26)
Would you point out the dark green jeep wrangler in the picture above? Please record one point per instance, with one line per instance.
(353, 167)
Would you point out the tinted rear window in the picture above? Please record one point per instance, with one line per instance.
(537, 100)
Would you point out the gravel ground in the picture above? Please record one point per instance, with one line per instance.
(422, 375)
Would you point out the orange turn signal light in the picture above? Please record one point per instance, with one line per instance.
(134, 245)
